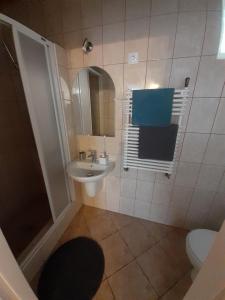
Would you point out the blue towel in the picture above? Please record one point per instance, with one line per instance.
(152, 107)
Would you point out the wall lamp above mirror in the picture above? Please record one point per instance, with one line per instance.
(93, 94)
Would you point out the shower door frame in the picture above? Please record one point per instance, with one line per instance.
(59, 222)
(58, 111)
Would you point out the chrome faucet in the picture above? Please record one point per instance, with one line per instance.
(93, 155)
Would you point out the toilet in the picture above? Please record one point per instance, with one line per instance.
(198, 245)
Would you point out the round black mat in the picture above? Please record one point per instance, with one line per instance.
(73, 272)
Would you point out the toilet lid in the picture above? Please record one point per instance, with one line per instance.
(199, 243)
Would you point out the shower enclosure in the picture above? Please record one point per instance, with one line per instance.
(33, 184)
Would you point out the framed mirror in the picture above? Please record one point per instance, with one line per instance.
(93, 95)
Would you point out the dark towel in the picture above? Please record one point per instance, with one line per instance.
(157, 142)
(152, 107)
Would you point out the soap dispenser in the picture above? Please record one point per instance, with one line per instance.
(104, 158)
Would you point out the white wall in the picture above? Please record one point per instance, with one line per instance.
(174, 39)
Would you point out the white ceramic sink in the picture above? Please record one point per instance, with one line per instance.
(91, 174)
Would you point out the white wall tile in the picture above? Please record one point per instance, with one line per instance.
(223, 93)
(134, 76)
(181, 197)
(222, 184)
(216, 214)
(137, 9)
(158, 213)
(136, 38)
(91, 13)
(126, 206)
(202, 114)
(158, 73)
(199, 208)
(214, 4)
(162, 193)
(73, 42)
(164, 7)
(172, 197)
(194, 147)
(176, 216)
(212, 34)
(61, 56)
(182, 68)
(113, 11)
(210, 177)
(190, 34)
(187, 174)
(206, 85)
(141, 209)
(94, 58)
(130, 173)
(193, 5)
(219, 125)
(112, 193)
(162, 36)
(116, 73)
(146, 175)
(128, 188)
(113, 43)
(71, 15)
(144, 191)
(215, 153)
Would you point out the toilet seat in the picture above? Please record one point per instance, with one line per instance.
(198, 245)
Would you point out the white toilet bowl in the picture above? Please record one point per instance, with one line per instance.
(198, 245)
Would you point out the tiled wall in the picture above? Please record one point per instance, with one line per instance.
(174, 39)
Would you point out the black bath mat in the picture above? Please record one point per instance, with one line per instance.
(73, 272)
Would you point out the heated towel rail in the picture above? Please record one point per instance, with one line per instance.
(131, 134)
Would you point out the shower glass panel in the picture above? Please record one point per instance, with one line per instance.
(25, 213)
(36, 77)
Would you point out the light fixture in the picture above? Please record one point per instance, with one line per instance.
(87, 46)
(221, 51)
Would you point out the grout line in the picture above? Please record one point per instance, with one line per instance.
(114, 296)
(201, 163)
(175, 38)
(146, 277)
(161, 297)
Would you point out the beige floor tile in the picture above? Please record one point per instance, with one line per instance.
(158, 231)
(78, 227)
(137, 238)
(116, 253)
(104, 292)
(101, 226)
(121, 220)
(179, 290)
(130, 284)
(174, 244)
(159, 268)
(90, 212)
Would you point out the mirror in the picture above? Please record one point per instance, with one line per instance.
(93, 95)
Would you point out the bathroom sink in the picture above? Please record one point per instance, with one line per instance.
(91, 174)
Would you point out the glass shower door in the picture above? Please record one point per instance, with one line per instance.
(25, 215)
(32, 52)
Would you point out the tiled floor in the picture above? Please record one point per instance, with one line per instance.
(143, 260)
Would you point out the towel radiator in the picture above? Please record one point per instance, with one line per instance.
(131, 134)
